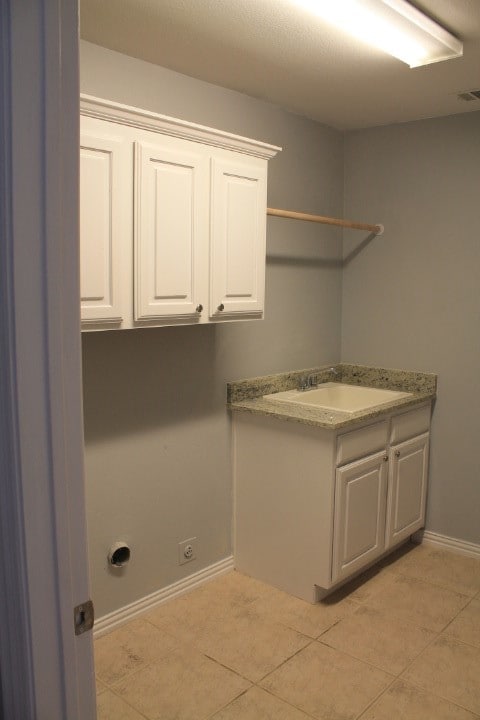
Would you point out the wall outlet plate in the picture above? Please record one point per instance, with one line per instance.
(187, 550)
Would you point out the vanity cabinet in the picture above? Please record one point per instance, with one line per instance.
(316, 506)
(172, 220)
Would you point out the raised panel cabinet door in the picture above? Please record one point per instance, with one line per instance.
(407, 488)
(106, 165)
(171, 226)
(359, 524)
(237, 243)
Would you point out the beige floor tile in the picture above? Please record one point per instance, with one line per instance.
(129, 648)
(307, 618)
(466, 626)
(245, 642)
(449, 669)
(366, 585)
(111, 707)
(367, 632)
(186, 620)
(417, 602)
(401, 551)
(378, 638)
(240, 589)
(100, 687)
(187, 616)
(405, 702)
(256, 704)
(447, 569)
(327, 683)
(182, 686)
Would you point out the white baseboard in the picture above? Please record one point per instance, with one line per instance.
(463, 547)
(120, 617)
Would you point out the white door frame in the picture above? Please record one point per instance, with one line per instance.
(46, 671)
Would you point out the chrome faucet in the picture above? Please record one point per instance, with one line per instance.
(303, 383)
(334, 371)
(307, 382)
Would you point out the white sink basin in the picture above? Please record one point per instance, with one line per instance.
(337, 396)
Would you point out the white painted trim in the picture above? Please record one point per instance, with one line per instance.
(462, 547)
(113, 620)
(16, 701)
(136, 117)
(46, 670)
(15, 639)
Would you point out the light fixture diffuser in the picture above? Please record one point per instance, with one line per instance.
(394, 26)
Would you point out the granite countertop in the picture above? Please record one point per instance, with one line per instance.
(247, 395)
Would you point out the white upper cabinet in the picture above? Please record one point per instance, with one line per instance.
(173, 220)
(105, 187)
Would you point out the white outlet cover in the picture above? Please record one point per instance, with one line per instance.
(184, 555)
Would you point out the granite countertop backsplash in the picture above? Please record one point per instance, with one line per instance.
(247, 395)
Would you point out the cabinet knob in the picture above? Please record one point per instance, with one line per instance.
(199, 308)
(221, 307)
(397, 453)
(385, 458)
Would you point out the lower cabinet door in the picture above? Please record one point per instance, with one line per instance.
(407, 488)
(360, 507)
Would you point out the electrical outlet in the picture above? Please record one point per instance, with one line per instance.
(187, 550)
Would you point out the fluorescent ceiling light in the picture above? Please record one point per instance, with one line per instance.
(394, 26)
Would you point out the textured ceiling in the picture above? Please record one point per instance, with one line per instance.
(273, 50)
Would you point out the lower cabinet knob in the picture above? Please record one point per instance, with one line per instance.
(221, 307)
(385, 458)
(199, 308)
(397, 453)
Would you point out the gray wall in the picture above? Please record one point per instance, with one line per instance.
(411, 297)
(156, 430)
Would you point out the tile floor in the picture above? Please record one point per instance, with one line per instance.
(402, 641)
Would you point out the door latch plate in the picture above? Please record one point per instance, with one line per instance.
(83, 617)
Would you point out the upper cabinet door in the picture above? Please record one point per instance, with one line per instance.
(105, 222)
(237, 244)
(171, 226)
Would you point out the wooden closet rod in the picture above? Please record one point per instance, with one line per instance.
(376, 229)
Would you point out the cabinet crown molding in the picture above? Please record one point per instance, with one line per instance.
(127, 115)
